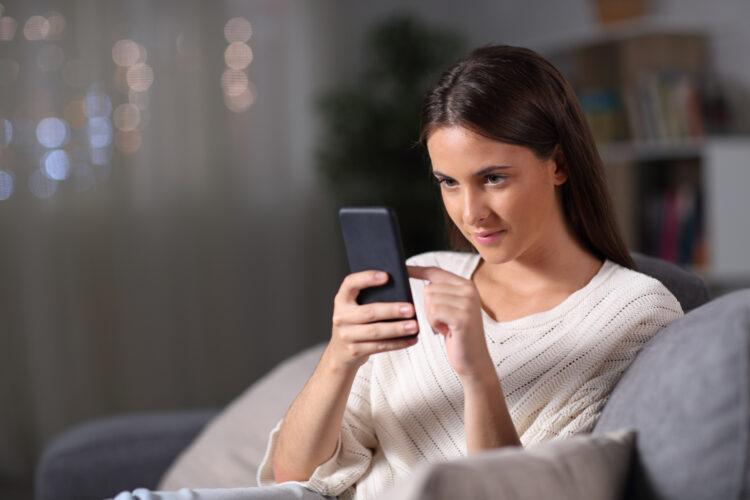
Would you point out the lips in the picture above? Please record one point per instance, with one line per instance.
(489, 237)
(483, 234)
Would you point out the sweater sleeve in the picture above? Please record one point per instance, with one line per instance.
(354, 449)
(638, 319)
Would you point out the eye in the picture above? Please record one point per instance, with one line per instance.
(491, 179)
(444, 180)
(495, 178)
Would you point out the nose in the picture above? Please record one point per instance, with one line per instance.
(475, 208)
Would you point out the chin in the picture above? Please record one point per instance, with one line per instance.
(493, 255)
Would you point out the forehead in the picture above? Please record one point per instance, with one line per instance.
(457, 147)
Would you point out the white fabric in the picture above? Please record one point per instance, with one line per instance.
(290, 490)
(590, 467)
(557, 368)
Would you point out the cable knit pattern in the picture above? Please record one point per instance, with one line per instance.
(557, 369)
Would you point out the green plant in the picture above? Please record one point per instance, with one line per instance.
(369, 155)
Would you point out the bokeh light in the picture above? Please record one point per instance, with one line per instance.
(238, 55)
(243, 101)
(97, 103)
(6, 132)
(52, 132)
(36, 28)
(56, 25)
(8, 71)
(6, 185)
(234, 82)
(8, 27)
(128, 142)
(125, 52)
(140, 77)
(99, 132)
(56, 165)
(126, 117)
(42, 186)
(238, 29)
(50, 57)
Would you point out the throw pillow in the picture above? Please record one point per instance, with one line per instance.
(584, 467)
(227, 453)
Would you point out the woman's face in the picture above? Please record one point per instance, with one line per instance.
(493, 187)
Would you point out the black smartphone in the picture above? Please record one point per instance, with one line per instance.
(373, 241)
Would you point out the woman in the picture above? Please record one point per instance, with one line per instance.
(535, 318)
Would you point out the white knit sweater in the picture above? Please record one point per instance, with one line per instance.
(556, 368)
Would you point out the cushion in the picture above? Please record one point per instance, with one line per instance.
(229, 450)
(687, 287)
(687, 394)
(580, 467)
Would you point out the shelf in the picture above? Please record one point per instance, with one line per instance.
(675, 191)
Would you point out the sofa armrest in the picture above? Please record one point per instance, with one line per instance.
(100, 458)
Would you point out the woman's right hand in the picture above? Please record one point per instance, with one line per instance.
(362, 330)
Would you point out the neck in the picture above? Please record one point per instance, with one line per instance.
(558, 262)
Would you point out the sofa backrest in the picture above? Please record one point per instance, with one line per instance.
(687, 395)
(688, 288)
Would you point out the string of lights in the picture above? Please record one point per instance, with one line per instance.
(101, 115)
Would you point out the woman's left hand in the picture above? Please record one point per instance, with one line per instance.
(454, 310)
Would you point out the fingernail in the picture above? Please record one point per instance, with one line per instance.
(405, 311)
(380, 276)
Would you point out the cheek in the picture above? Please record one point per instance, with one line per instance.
(453, 207)
(535, 206)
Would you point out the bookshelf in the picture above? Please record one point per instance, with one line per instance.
(678, 173)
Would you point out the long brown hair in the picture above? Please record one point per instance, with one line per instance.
(514, 95)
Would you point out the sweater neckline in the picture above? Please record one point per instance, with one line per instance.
(541, 317)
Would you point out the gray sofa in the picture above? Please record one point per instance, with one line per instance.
(686, 394)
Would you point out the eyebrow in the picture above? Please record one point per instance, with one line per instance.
(481, 172)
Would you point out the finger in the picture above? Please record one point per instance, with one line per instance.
(370, 313)
(435, 289)
(355, 282)
(379, 331)
(459, 303)
(368, 348)
(434, 274)
(443, 317)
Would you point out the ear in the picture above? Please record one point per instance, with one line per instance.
(560, 166)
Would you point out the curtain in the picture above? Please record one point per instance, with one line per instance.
(164, 239)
